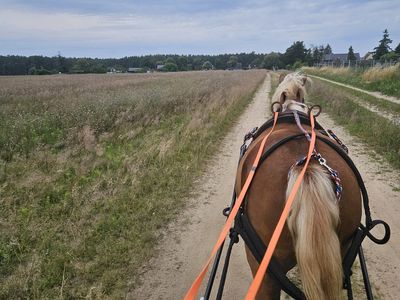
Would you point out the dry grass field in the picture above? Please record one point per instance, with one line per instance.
(93, 166)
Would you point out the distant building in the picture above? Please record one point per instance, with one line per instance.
(369, 56)
(111, 70)
(338, 58)
(159, 67)
(135, 70)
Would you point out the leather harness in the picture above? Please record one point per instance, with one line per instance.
(242, 225)
(244, 228)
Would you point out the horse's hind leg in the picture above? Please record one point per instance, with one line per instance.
(269, 289)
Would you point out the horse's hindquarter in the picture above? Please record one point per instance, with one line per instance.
(266, 196)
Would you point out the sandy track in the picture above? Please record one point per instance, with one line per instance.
(375, 94)
(384, 114)
(188, 241)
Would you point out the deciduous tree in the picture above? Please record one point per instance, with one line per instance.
(207, 65)
(273, 60)
(232, 62)
(296, 52)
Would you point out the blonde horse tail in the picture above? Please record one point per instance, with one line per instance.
(313, 223)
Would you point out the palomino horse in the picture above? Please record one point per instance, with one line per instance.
(319, 225)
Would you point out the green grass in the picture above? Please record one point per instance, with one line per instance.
(377, 132)
(386, 83)
(382, 105)
(93, 167)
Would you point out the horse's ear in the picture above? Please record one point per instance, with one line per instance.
(299, 97)
(282, 99)
(304, 80)
(281, 77)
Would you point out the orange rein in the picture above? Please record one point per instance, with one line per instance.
(255, 286)
(252, 292)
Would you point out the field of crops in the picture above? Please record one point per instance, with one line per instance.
(92, 167)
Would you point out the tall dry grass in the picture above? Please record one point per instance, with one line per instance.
(336, 71)
(381, 74)
(94, 166)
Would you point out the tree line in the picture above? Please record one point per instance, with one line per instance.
(39, 65)
(42, 65)
(295, 56)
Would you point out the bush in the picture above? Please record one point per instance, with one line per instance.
(170, 67)
(297, 65)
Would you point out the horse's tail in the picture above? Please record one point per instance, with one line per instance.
(313, 223)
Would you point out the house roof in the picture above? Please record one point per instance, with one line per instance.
(341, 57)
(368, 55)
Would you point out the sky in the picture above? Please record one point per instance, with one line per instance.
(118, 28)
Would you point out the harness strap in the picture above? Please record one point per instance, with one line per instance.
(346, 158)
(288, 118)
(334, 136)
(244, 227)
(333, 173)
(297, 118)
(257, 247)
(192, 292)
(255, 286)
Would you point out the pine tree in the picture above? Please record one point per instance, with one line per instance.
(328, 49)
(350, 54)
(397, 49)
(383, 47)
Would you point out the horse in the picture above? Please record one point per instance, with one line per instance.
(319, 226)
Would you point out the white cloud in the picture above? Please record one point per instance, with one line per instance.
(259, 26)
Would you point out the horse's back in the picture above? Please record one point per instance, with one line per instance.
(266, 196)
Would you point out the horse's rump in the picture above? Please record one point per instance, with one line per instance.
(266, 196)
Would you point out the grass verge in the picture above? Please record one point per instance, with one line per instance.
(384, 80)
(379, 133)
(382, 105)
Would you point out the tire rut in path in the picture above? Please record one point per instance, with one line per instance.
(375, 94)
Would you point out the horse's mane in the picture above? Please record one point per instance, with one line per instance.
(291, 85)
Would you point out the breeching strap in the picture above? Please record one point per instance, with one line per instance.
(254, 287)
(192, 292)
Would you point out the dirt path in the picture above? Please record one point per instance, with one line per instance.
(375, 94)
(187, 243)
(384, 114)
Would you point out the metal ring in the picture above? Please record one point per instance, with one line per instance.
(226, 211)
(279, 108)
(318, 111)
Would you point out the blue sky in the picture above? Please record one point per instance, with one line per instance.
(107, 28)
